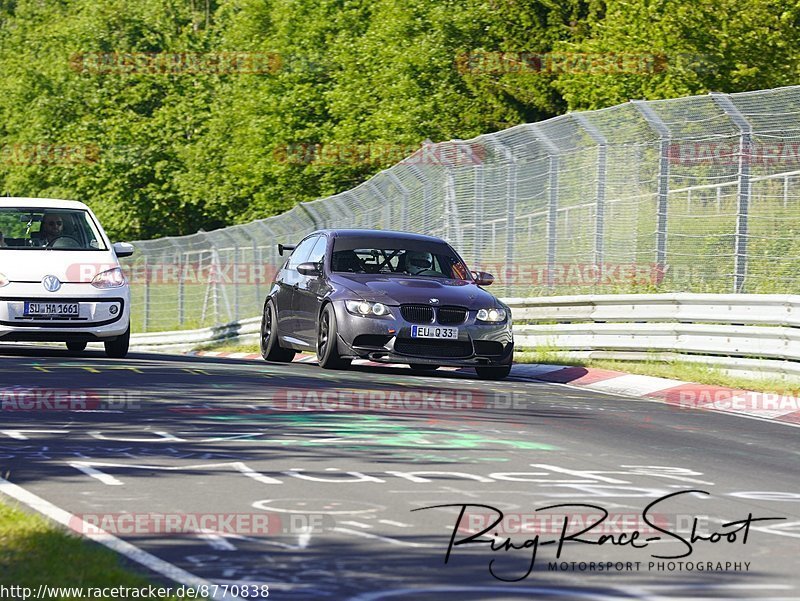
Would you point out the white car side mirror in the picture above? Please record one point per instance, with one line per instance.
(123, 249)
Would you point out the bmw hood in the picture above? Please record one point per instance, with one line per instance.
(398, 290)
(67, 266)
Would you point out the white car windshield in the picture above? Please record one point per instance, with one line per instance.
(27, 228)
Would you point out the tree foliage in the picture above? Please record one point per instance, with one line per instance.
(169, 153)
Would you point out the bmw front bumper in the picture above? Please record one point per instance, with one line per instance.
(388, 340)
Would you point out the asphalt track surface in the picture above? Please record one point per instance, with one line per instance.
(337, 484)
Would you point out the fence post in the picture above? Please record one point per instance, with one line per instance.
(404, 205)
(511, 208)
(271, 243)
(554, 155)
(745, 151)
(662, 192)
(234, 272)
(387, 206)
(146, 317)
(600, 193)
(255, 267)
(427, 211)
(479, 200)
(181, 273)
(311, 212)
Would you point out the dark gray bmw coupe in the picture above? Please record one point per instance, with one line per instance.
(390, 297)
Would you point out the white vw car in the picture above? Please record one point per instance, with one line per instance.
(60, 278)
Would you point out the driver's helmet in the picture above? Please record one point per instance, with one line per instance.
(418, 261)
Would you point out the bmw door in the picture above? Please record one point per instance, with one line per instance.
(308, 296)
(287, 283)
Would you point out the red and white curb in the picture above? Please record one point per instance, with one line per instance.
(680, 394)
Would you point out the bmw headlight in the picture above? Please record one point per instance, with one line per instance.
(492, 315)
(367, 309)
(3, 280)
(113, 278)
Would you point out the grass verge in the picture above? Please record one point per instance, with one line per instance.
(34, 551)
(223, 347)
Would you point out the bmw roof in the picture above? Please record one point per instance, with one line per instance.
(366, 233)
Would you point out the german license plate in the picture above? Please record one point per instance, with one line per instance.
(52, 309)
(434, 332)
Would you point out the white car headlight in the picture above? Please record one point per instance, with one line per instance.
(367, 309)
(113, 278)
(3, 280)
(492, 315)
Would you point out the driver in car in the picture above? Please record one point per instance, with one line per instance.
(52, 228)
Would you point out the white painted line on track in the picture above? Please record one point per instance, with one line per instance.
(118, 545)
(385, 539)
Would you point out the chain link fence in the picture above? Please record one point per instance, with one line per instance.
(698, 194)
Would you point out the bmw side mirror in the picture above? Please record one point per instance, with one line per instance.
(312, 269)
(123, 249)
(482, 278)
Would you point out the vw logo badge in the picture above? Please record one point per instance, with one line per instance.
(51, 283)
(434, 301)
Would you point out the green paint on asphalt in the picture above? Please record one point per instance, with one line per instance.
(375, 430)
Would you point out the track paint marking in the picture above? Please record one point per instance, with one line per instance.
(106, 479)
(88, 467)
(165, 437)
(385, 539)
(21, 434)
(91, 370)
(41, 368)
(357, 524)
(216, 541)
(393, 523)
(118, 545)
(304, 539)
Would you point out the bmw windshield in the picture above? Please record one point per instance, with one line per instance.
(397, 257)
(27, 228)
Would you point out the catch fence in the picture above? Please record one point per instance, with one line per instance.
(698, 194)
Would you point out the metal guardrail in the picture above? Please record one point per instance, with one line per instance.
(245, 331)
(745, 333)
